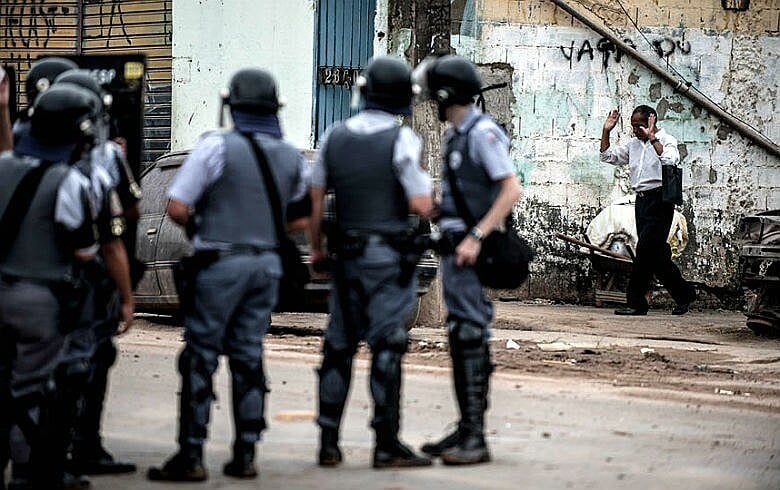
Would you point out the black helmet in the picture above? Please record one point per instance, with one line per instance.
(253, 90)
(386, 82)
(453, 79)
(83, 79)
(65, 113)
(42, 74)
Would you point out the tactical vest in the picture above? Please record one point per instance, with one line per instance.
(360, 170)
(479, 190)
(235, 209)
(38, 252)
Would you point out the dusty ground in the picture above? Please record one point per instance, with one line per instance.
(576, 403)
(705, 356)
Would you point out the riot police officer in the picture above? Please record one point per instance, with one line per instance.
(107, 273)
(40, 77)
(48, 221)
(371, 163)
(116, 195)
(220, 196)
(476, 151)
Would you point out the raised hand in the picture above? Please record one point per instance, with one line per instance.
(651, 127)
(612, 120)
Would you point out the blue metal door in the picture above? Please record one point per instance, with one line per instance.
(345, 42)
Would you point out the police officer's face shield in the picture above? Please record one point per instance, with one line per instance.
(425, 89)
(103, 121)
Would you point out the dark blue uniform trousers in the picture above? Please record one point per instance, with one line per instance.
(370, 304)
(234, 298)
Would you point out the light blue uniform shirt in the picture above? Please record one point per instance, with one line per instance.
(204, 165)
(488, 148)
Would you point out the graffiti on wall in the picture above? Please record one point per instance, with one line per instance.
(29, 23)
(110, 17)
(606, 50)
(667, 46)
(603, 46)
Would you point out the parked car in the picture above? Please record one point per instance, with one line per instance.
(759, 236)
(161, 243)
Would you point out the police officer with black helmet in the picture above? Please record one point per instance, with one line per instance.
(117, 197)
(40, 77)
(220, 196)
(47, 218)
(371, 163)
(476, 153)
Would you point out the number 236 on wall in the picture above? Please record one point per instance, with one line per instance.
(337, 75)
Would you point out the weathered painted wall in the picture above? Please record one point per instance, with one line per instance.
(565, 79)
(212, 39)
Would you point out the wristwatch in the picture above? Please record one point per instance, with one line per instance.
(654, 141)
(477, 233)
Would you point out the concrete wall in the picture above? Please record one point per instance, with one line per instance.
(212, 39)
(564, 80)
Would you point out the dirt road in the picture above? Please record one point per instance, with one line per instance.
(576, 403)
(708, 355)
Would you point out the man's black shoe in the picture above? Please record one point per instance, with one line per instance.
(396, 455)
(681, 309)
(437, 448)
(330, 454)
(628, 311)
(180, 467)
(98, 462)
(471, 450)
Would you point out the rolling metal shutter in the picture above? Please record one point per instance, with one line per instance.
(29, 29)
(32, 28)
(133, 26)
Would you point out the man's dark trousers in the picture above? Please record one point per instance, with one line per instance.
(653, 254)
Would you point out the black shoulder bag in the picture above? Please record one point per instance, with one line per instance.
(504, 257)
(671, 184)
(295, 274)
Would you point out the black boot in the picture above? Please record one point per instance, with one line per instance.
(186, 466)
(392, 453)
(474, 360)
(449, 441)
(330, 454)
(93, 459)
(452, 439)
(243, 463)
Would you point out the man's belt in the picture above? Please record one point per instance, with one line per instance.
(650, 192)
(233, 250)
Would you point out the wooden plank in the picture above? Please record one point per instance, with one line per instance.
(596, 249)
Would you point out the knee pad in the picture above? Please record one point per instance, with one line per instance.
(105, 354)
(253, 377)
(464, 334)
(73, 376)
(190, 367)
(338, 359)
(397, 341)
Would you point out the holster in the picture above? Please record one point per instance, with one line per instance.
(71, 295)
(186, 271)
(410, 245)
